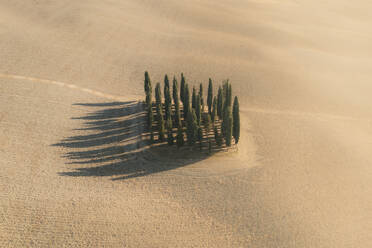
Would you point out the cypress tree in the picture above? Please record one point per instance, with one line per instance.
(150, 117)
(148, 89)
(168, 104)
(166, 82)
(210, 96)
(168, 98)
(227, 125)
(147, 82)
(186, 105)
(191, 128)
(201, 96)
(169, 130)
(161, 127)
(236, 120)
(198, 109)
(193, 98)
(214, 109)
(177, 117)
(220, 103)
(180, 137)
(183, 88)
(158, 95)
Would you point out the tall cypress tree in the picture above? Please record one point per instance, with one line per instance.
(217, 137)
(147, 82)
(198, 109)
(236, 120)
(150, 117)
(201, 96)
(148, 89)
(183, 88)
(227, 125)
(158, 95)
(160, 118)
(193, 98)
(168, 103)
(186, 105)
(210, 96)
(166, 82)
(177, 117)
(214, 109)
(220, 103)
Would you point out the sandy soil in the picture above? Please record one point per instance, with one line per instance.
(76, 172)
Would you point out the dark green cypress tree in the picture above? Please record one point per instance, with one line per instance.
(169, 132)
(180, 137)
(160, 118)
(210, 96)
(168, 103)
(186, 105)
(214, 109)
(198, 109)
(236, 120)
(177, 116)
(193, 98)
(201, 97)
(227, 125)
(167, 97)
(147, 82)
(150, 117)
(158, 95)
(148, 89)
(183, 88)
(220, 103)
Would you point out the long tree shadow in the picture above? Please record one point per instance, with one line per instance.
(113, 142)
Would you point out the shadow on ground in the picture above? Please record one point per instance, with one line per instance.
(113, 142)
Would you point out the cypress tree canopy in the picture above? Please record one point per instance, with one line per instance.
(220, 103)
(201, 95)
(186, 105)
(158, 94)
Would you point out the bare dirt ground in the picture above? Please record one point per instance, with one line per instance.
(76, 172)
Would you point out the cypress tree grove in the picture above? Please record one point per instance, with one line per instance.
(198, 109)
(183, 88)
(201, 96)
(177, 117)
(210, 96)
(169, 130)
(214, 109)
(193, 99)
(158, 95)
(236, 120)
(220, 103)
(180, 138)
(186, 104)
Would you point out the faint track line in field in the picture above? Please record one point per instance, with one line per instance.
(62, 84)
(119, 98)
